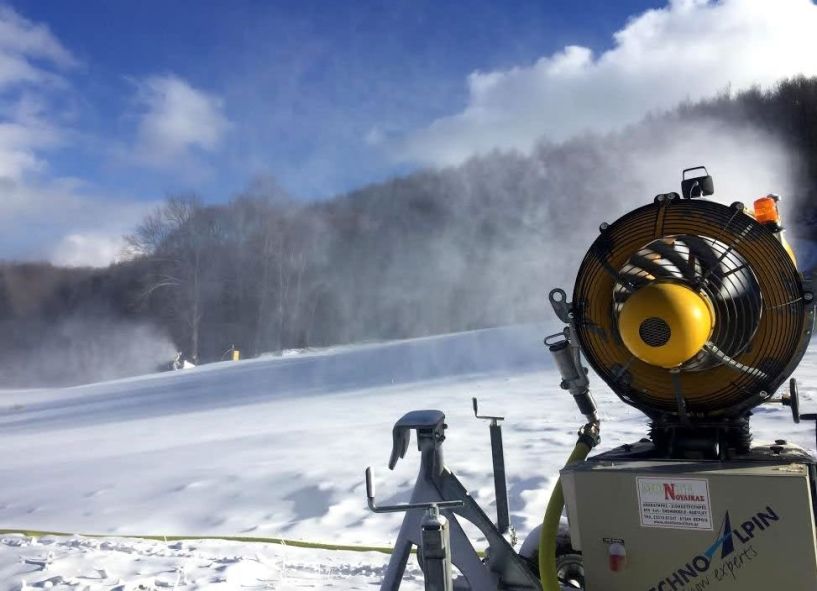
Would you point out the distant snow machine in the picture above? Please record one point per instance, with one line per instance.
(694, 313)
(179, 362)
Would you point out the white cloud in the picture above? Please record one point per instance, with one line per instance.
(22, 136)
(42, 217)
(31, 64)
(29, 52)
(65, 222)
(23, 38)
(88, 250)
(37, 212)
(691, 49)
(177, 120)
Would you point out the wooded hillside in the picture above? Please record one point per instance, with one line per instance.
(437, 251)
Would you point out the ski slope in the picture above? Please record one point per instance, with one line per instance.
(277, 447)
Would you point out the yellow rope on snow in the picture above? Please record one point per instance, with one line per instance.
(250, 539)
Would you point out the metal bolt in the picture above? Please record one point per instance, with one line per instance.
(808, 296)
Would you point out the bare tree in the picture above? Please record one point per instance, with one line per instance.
(180, 237)
(269, 218)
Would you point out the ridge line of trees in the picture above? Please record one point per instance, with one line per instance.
(436, 251)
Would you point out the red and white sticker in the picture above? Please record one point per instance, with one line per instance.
(676, 503)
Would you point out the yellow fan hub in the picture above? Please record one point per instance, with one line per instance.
(665, 324)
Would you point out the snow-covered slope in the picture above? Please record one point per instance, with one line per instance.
(277, 447)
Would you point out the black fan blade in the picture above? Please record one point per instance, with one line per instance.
(706, 254)
(653, 268)
(733, 363)
(632, 279)
(670, 253)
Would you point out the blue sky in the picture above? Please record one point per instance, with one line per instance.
(302, 82)
(109, 106)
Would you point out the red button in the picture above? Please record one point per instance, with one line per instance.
(617, 557)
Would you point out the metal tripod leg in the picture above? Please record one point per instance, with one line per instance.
(463, 555)
(466, 559)
(399, 558)
(504, 568)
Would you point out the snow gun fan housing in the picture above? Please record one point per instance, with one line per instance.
(694, 313)
(690, 310)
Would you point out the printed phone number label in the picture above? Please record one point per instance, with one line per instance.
(678, 503)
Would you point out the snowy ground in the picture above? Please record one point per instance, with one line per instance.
(277, 447)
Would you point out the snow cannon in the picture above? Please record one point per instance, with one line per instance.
(694, 313)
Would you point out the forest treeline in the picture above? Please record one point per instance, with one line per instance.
(436, 251)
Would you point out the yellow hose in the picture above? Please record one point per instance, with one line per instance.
(550, 524)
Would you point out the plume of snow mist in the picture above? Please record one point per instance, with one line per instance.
(618, 173)
(501, 230)
(84, 349)
(543, 210)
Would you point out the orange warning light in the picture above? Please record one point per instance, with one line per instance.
(766, 210)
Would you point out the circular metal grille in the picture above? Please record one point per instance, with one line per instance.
(654, 331)
(713, 269)
(762, 322)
